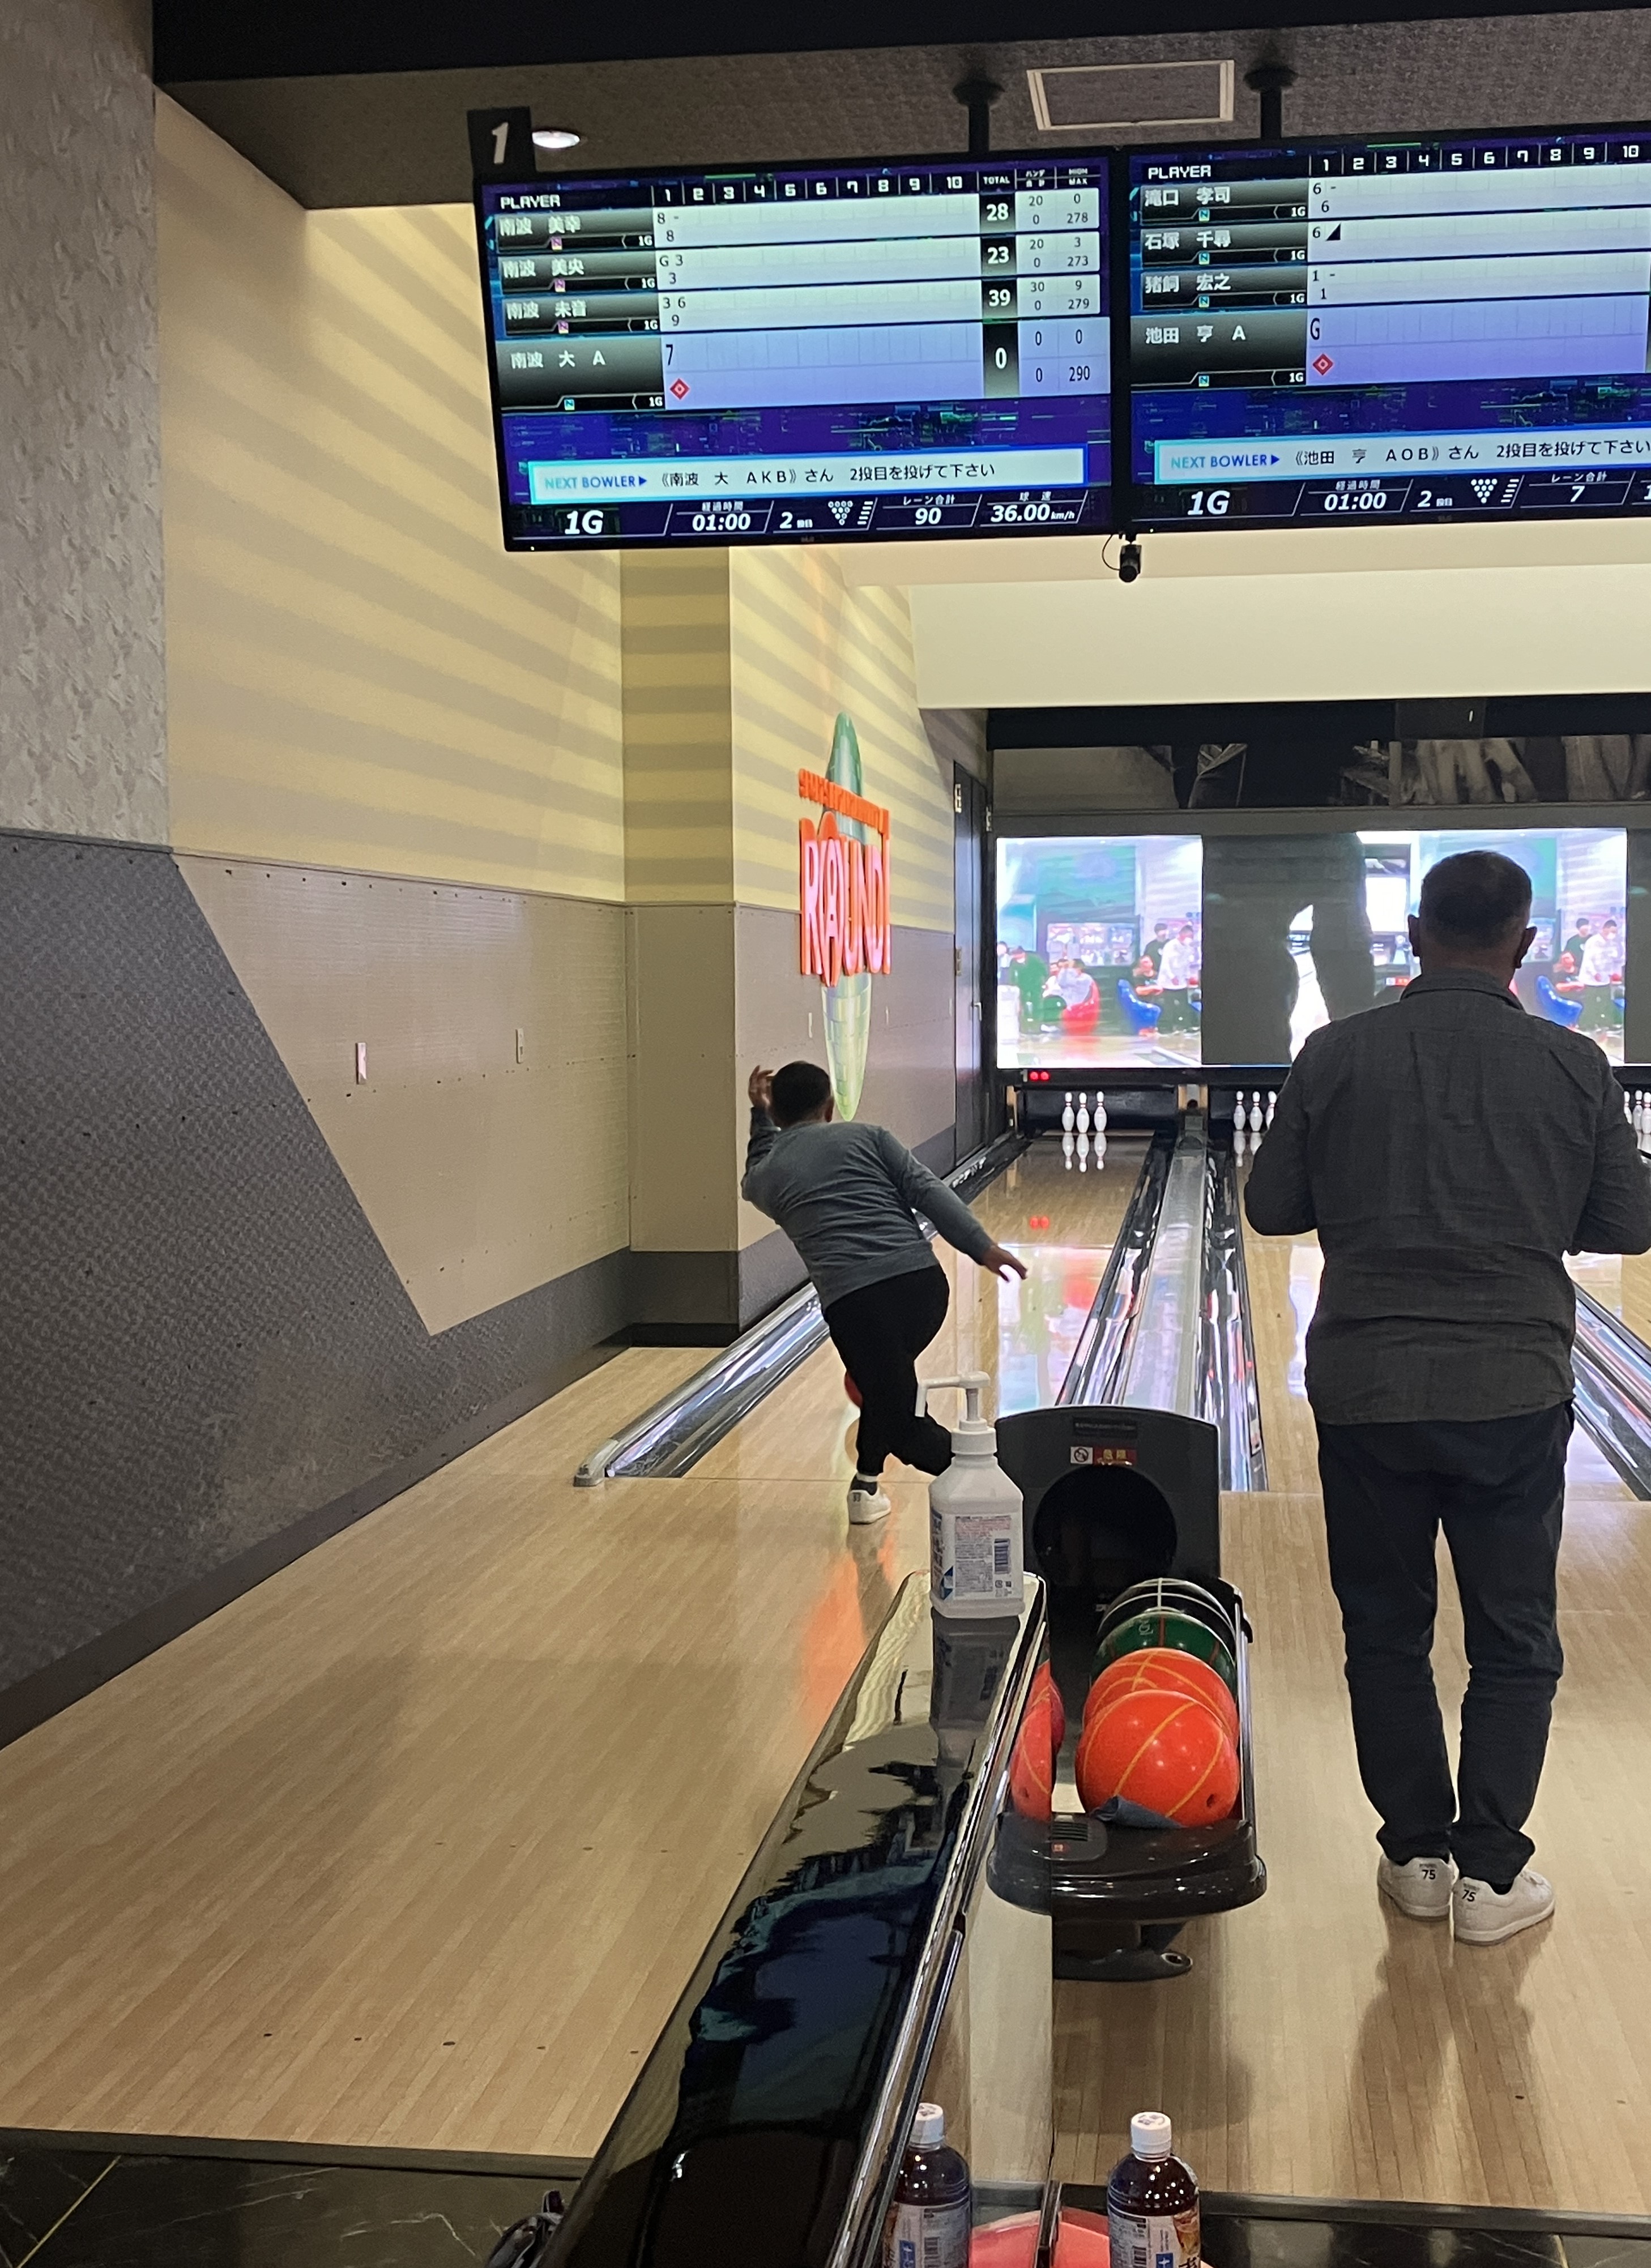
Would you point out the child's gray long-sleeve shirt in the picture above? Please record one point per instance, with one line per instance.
(845, 1195)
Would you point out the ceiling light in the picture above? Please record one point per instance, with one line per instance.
(554, 138)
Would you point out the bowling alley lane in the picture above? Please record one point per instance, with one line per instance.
(1620, 1282)
(1325, 2046)
(415, 1844)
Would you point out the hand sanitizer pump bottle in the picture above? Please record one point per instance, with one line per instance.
(974, 1516)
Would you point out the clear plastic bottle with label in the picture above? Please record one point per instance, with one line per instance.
(975, 1517)
(1153, 2201)
(929, 2221)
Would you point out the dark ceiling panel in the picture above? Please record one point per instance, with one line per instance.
(289, 38)
(399, 139)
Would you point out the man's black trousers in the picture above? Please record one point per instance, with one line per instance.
(1497, 1488)
(880, 1331)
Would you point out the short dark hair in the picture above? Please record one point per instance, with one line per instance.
(1475, 898)
(799, 1090)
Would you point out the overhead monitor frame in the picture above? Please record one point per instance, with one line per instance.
(1022, 445)
(1326, 402)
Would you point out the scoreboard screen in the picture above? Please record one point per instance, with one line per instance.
(837, 352)
(1399, 330)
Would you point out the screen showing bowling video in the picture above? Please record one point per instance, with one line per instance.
(1347, 332)
(1168, 950)
(1305, 928)
(832, 352)
(1099, 950)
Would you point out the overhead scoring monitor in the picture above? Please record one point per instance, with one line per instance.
(831, 353)
(1391, 330)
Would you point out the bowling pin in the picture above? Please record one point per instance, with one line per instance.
(1239, 1119)
(1083, 1113)
(1255, 1110)
(1066, 1114)
(1100, 1114)
(1083, 1153)
(1067, 1145)
(1272, 1104)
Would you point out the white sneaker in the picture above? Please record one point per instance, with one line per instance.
(1420, 1888)
(866, 1501)
(1483, 1916)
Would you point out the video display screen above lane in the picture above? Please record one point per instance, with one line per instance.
(1391, 331)
(1168, 951)
(834, 352)
(1302, 929)
(1099, 952)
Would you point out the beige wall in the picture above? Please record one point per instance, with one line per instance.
(1300, 635)
(366, 687)
(359, 674)
(81, 690)
(685, 1109)
(482, 1175)
(400, 753)
(678, 826)
(804, 645)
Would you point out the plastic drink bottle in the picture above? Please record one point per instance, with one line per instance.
(1153, 2201)
(976, 1560)
(928, 2224)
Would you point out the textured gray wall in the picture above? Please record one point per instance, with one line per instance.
(82, 686)
(204, 1345)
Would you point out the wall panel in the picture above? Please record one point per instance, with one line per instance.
(482, 1176)
(359, 676)
(212, 1360)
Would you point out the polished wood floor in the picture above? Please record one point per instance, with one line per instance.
(416, 1843)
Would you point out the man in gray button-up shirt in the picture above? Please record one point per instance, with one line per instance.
(1450, 1150)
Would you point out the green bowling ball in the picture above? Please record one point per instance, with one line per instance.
(1177, 1591)
(1167, 1626)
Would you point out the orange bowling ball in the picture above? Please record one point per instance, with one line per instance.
(1032, 1763)
(1044, 1681)
(1166, 1751)
(1166, 1669)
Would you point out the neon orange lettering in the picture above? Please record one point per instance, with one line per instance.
(810, 954)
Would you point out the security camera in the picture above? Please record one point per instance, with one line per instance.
(1129, 561)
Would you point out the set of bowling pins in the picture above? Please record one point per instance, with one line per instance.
(1251, 1122)
(1076, 1127)
(1637, 1108)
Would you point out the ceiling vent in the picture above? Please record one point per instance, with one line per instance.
(1100, 98)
